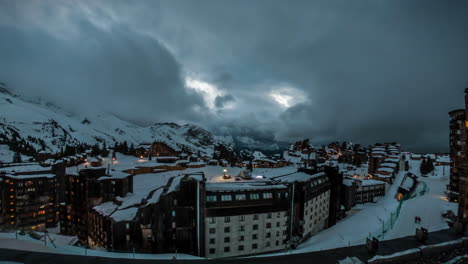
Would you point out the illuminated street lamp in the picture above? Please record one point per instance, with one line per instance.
(225, 176)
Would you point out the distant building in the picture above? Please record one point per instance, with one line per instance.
(28, 197)
(86, 189)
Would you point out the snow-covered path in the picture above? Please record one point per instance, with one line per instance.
(429, 206)
(354, 229)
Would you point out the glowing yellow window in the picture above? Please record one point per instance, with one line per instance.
(466, 123)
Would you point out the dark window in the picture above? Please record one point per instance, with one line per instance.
(242, 228)
(227, 229)
(255, 227)
(212, 241)
(268, 234)
(268, 225)
(255, 217)
(268, 243)
(241, 248)
(212, 230)
(227, 219)
(269, 215)
(241, 238)
(212, 250)
(227, 239)
(254, 236)
(254, 246)
(227, 249)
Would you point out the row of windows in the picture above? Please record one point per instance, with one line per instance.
(242, 247)
(243, 197)
(227, 219)
(317, 182)
(227, 229)
(254, 237)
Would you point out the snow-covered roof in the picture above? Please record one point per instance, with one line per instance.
(389, 164)
(106, 208)
(407, 183)
(26, 168)
(386, 169)
(371, 182)
(242, 186)
(196, 163)
(382, 175)
(125, 214)
(348, 182)
(167, 157)
(30, 176)
(113, 174)
(298, 177)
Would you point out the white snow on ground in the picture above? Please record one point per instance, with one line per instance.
(354, 229)
(6, 155)
(429, 206)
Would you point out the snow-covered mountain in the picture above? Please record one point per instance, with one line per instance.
(47, 124)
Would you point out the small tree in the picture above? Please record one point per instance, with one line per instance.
(17, 158)
(423, 166)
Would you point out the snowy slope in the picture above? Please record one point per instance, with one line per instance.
(34, 118)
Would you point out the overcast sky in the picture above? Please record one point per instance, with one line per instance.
(363, 71)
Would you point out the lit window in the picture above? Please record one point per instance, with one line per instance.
(267, 195)
(254, 196)
(211, 198)
(226, 197)
(241, 197)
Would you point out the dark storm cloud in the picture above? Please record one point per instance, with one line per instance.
(221, 101)
(373, 70)
(117, 70)
(369, 70)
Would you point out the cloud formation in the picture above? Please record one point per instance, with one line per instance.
(364, 71)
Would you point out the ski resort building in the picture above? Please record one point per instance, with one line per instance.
(219, 216)
(84, 190)
(459, 165)
(457, 147)
(29, 197)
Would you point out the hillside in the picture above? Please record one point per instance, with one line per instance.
(50, 128)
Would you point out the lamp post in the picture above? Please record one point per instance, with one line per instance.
(224, 173)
